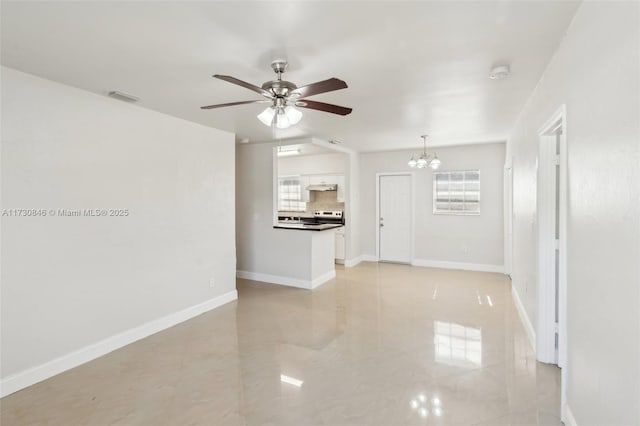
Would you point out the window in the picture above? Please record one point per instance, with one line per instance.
(456, 192)
(290, 194)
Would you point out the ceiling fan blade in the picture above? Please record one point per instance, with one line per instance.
(235, 103)
(321, 106)
(319, 87)
(244, 84)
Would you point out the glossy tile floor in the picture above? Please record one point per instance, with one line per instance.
(382, 344)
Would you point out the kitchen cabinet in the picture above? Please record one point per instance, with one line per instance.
(322, 179)
(304, 182)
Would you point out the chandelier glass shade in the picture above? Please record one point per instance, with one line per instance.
(424, 159)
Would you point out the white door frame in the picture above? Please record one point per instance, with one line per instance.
(545, 332)
(508, 217)
(412, 201)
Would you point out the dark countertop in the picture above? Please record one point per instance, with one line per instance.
(307, 227)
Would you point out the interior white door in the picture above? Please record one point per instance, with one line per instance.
(548, 249)
(395, 218)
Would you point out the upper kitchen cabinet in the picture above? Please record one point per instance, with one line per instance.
(304, 183)
(323, 180)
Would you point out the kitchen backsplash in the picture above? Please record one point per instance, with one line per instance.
(324, 200)
(320, 200)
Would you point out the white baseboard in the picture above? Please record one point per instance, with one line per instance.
(49, 369)
(531, 334)
(479, 267)
(274, 279)
(350, 263)
(288, 281)
(323, 279)
(369, 258)
(568, 419)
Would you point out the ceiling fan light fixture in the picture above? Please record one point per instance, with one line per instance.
(266, 116)
(294, 115)
(284, 96)
(282, 120)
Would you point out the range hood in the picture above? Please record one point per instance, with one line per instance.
(322, 187)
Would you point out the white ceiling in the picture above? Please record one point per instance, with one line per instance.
(412, 67)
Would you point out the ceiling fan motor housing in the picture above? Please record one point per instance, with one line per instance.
(279, 88)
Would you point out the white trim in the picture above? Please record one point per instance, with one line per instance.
(66, 362)
(350, 263)
(479, 267)
(508, 217)
(274, 186)
(550, 124)
(567, 417)
(413, 201)
(528, 327)
(369, 258)
(274, 279)
(288, 281)
(323, 279)
(558, 120)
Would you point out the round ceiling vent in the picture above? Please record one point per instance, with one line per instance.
(500, 72)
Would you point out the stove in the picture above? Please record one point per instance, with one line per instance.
(326, 216)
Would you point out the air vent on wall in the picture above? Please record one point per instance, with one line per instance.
(123, 96)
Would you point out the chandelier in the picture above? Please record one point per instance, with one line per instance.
(425, 159)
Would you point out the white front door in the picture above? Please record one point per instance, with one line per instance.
(395, 218)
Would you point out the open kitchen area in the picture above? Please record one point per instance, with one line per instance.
(295, 209)
(311, 202)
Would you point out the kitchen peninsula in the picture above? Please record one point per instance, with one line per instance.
(314, 252)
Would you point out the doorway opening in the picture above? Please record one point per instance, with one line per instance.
(551, 333)
(394, 217)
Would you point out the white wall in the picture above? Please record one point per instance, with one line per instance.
(596, 73)
(443, 238)
(352, 210)
(261, 248)
(313, 164)
(68, 282)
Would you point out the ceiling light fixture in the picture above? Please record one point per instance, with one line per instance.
(280, 116)
(284, 97)
(425, 159)
(286, 152)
